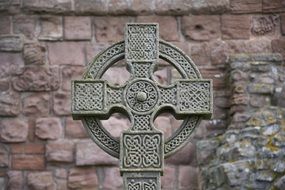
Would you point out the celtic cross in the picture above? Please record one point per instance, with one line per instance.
(142, 148)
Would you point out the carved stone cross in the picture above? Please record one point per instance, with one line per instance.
(142, 148)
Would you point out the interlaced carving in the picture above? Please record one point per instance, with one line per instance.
(147, 184)
(141, 70)
(141, 42)
(194, 96)
(142, 86)
(142, 151)
(114, 95)
(168, 95)
(88, 96)
(141, 123)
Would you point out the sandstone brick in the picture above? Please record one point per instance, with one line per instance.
(4, 159)
(235, 26)
(112, 179)
(41, 181)
(4, 85)
(28, 162)
(201, 27)
(200, 54)
(60, 53)
(55, 6)
(273, 6)
(9, 103)
(179, 7)
(115, 125)
(34, 54)
(282, 21)
(217, 74)
(168, 29)
(163, 123)
(74, 129)
(250, 46)
(96, 7)
(15, 180)
(62, 103)
(92, 49)
(48, 128)
(77, 28)
(119, 7)
(36, 104)
(11, 43)
(13, 130)
(187, 178)
(116, 75)
(88, 153)
(35, 78)
(51, 28)
(5, 23)
(167, 180)
(26, 25)
(109, 29)
(142, 7)
(278, 46)
(219, 53)
(70, 73)
(59, 151)
(265, 25)
(209, 6)
(9, 63)
(246, 6)
(82, 178)
(27, 148)
(184, 156)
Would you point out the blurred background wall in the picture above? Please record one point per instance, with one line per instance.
(45, 44)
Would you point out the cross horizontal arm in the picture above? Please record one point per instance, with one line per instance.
(189, 97)
(94, 98)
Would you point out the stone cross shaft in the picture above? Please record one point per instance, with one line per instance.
(142, 148)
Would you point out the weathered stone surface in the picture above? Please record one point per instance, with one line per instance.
(48, 128)
(235, 26)
(187, 178)
(9, 63)
(265, 24)
(82, 178)
(201, 27)
(9, 103)
(62, 103)
(11, 43)
(167, 7)
(61, 179)
(184, 156)
(4, 160)
(116, 75)
(50, 28)
(278, 46)
(280, 183)
(167, 179)
(55, 6)
(112, 179)
(35, 78)
(5, 23)
(96, 7)
(41, 181)
(15, 180)
(77, 28)
(13, 130)
(246, 6)
(27, 148)
(70, 73)
(34, 54)
(88, 153)
(206, 150)
(25, 25)
(282, 21)
(74, 129)
(36, 105)
(142, 7)
(59, 53)
(209, 6)
(168, 29)
(115, 125)
(109, 29)
(60, 151)
(119, 7)
(273, 6)
(163, 123)
(200, 54)
(28, 162)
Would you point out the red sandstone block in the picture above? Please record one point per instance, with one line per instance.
(95, 7)
(142, 7)
(188, 178)
(246, 6)
(278, 46)
(201, 27)
(112, 179)
(82, 178)
(283, 24)
(48, 128)
(27, 148)
(36, 104)
(62, 103)
(41, 180)
(55, 6)
(51, 28)
(184, 156)
(13, 130)
(119, 7)
(167, 180)
(60, 151)
(5, 23)
(77, 28)
(235, 26)
(74, 129)
(28, 162)
(15, 180)
(273, 6)
(70, 73)
(26, 25)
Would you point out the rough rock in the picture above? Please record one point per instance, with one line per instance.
(13, 130)
(235, 27)
(34, 54)
(36, 104)
(28, 162)
(4, 160)
(74, 129)
(50, 28)
(60, 151)
(77, 28)
(41, 181)
(9, 103)
(48, 128)
(15, 180)
(62, 103)
(82, 178)
(11, 43)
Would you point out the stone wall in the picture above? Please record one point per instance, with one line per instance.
(45, 44)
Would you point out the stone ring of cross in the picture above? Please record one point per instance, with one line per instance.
(142, 146)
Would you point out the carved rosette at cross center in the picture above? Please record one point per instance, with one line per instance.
(141, 148)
